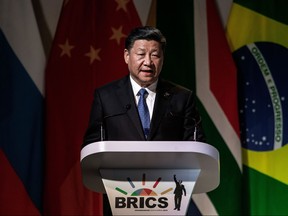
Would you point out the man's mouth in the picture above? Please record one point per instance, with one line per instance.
(147, 71)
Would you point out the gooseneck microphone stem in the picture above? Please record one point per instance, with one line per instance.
(195, 123)
(195, 133)
(102, 132)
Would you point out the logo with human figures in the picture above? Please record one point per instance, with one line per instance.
(147, 197)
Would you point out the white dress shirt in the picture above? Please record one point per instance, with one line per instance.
(150, 100)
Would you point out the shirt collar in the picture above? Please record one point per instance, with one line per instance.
(136, 87)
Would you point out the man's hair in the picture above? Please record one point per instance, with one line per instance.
(145, 33)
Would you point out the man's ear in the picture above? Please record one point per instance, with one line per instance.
(126, 55)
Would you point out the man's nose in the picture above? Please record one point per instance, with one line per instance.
(147, 60)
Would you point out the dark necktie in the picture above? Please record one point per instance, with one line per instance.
(143, 111)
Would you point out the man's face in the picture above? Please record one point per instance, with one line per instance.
(144, 61)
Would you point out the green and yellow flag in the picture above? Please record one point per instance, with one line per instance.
(258, 35)
(198, 57)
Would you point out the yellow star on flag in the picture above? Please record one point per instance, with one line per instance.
(117, 34)
(93, 54)
(122, 4)
(66, 48)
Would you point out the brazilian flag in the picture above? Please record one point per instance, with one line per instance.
(258, 35)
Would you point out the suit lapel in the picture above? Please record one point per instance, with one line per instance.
(126, 97)
(161, 106)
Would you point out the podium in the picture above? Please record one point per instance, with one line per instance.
(150, 177)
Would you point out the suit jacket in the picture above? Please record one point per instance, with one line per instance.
(174, 116)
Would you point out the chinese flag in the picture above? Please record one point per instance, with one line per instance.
(87, 52)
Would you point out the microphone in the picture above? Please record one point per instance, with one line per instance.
(196, 123)
(102, 129)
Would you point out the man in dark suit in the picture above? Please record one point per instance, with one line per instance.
(170, 110)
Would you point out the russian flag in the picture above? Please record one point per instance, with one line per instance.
(22, 63)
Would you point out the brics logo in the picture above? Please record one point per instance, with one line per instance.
(141, 202)
(142, 197)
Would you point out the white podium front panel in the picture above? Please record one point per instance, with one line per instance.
(150, 155)
(149, 192)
